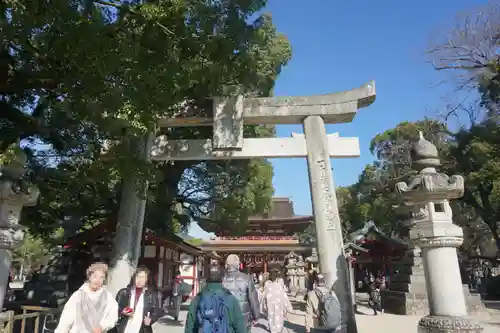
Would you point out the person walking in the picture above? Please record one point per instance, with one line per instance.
(92, 308)
(175, 298)
(374, 300)
(276, 302)
(138, 306)
(215, 309)
(323, 310)
(241, 286)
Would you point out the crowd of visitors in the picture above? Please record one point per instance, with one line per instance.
(229, 302)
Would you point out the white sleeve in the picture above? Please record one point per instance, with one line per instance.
(68, 314)
(111, 317)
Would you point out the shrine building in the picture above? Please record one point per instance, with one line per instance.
(267, 240)
(381, 252)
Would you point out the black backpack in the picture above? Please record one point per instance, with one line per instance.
(330, 314)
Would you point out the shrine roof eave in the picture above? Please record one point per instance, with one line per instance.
(285, 248)
(358, 236)
(295, 223)
(292, 219)
(353, 246)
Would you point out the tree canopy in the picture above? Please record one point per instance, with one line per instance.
(81, 77)
(469, 52)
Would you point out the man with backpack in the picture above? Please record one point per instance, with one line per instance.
(215, 309)
(323, 311)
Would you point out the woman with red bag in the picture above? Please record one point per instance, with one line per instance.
(137, 304)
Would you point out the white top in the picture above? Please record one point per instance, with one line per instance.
(67, 322)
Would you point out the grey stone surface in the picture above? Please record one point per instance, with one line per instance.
(182, 150)
(332, 262)
(366, 323)
(446, 324)
(15, 193)
(228, 123)
(337, 107)
(433, 231)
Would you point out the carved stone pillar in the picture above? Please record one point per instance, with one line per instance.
(15, 192)
(433, 231)
(301, 276)
(265, 263)
(291, 272)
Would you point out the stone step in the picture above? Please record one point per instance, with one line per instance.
(415, 288)
(407, 278)
(410, 270)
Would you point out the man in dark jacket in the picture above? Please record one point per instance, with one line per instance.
(242, 287)
(213, 286)
(176, 294)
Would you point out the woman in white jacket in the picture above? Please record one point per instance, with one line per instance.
(91, 309)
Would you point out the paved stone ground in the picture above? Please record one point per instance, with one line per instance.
(367, 323)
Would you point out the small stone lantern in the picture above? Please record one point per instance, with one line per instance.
(301, 276)
(15, 192)
(313, 260)
(432, 229)
(291, 272)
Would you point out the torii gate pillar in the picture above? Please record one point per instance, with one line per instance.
(332, 261)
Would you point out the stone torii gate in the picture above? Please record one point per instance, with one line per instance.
(229, 115)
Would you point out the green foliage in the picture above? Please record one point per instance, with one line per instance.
(79, 80)
(194, 241)
(375, 187)
(470, 51)
(32, 253)
(473, 153)
(476, 155)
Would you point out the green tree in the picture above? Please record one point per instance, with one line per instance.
(30, 254)
(392, 148)
(476, 156)
(469, 52)
(473, 153)
(128, 65)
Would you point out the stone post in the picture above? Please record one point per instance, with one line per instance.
(15, 192)
(351, 259)
(433, 231)
(332, 262)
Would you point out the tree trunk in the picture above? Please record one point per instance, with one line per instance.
(128, 236)
(160, 213)
(493, 225)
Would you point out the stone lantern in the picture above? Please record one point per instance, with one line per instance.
(301, 276)
(291, 272)
(313, 260)
(15, 192)
(433, 231)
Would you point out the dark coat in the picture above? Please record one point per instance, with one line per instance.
(150, 305)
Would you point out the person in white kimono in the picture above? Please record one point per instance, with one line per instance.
(92, 308)
(276, 303)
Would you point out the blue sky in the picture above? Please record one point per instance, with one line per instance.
(339, 45)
